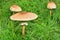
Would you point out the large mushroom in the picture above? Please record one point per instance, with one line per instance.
(23, 16)
(51, 5)
(15, 8)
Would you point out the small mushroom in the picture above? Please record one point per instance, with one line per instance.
(51, 5)
(23, 27)
(23, 16)
(15, 8)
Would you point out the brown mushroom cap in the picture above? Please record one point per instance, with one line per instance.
(23, 16)
(15, 8)
(51, 5)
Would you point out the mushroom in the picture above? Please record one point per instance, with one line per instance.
(51, 5)
(15, 8)
(23, 16)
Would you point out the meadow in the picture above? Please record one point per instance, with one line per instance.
(43, 28)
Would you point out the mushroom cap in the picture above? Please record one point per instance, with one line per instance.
(15, 8)
(51, 5)
(24, 16)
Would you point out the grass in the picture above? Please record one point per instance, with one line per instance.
(42, 28)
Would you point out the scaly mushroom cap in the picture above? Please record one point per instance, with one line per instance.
(51, 5)
(15, 8)
(23, 16)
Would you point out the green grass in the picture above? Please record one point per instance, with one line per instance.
(42, 28)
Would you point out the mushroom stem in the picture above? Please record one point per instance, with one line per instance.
(13, 12)
(50, 12)
(23, 30)
(51, 0)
